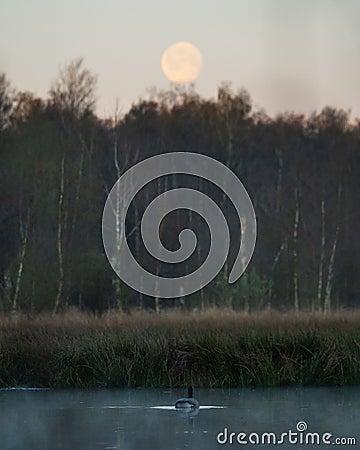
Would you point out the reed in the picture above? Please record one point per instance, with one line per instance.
(217, 348)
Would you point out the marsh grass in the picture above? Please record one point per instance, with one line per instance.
(212, 349)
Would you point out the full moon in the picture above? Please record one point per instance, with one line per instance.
(181, 62)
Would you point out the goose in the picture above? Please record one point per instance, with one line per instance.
(188, 402)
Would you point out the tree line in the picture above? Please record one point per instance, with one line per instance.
(59, 161)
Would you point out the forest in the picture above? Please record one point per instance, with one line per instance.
(59, 161)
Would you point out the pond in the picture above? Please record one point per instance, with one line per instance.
(143, 419)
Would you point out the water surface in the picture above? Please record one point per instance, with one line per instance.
(145, 418)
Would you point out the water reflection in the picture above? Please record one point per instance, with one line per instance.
(129, 419)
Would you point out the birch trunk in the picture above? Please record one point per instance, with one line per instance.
(77, 189)
(119, 232)
(321, 262)
(279, 178)
(157, 285)
(278, 254)
(199, 244)
(329, 281)
(137, 248)
(328, 288)
(295, 251)
(157, 295)
(7, 289)
(24, 230)
(60, 287)
(119, 237)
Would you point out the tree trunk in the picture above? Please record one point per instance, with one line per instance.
(328, 288)
(6, 289)
(119, 232)
(279, 178)
(60, 287)
(137, 231)
(157, 285)
(318, 303)
(295, 253)
(77, 189)
(278, 254)
(329, 281)
(24, 230)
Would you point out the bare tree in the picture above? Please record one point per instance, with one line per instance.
(74, 90)
(6, 101)
(73, 97)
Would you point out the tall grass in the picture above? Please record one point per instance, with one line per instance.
(218, 348)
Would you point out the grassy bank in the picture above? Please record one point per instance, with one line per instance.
(210, 349)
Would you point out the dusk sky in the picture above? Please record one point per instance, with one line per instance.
(290, 55)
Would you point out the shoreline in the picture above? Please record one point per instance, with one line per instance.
(212, 349)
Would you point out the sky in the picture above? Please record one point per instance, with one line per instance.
(290, 55)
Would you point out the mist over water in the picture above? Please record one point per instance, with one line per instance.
(145, 418)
